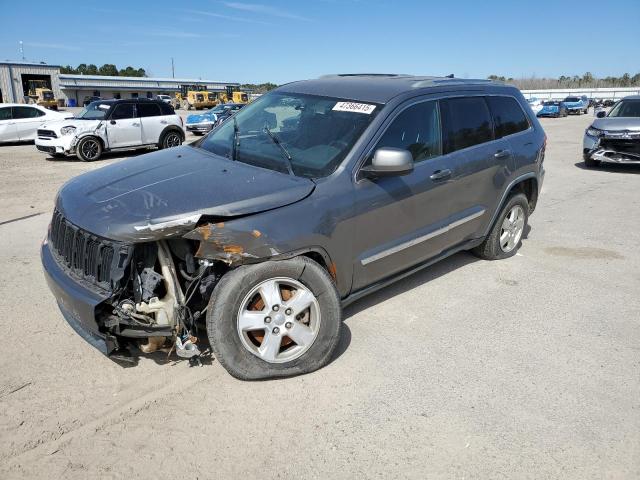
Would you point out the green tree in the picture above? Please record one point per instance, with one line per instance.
(91, 69)
(108, 69)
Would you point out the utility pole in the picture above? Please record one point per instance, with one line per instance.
(22, 50)
(173, 70)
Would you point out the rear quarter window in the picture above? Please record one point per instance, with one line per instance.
(466, 122)
(508, 116)
(148, 110)
(166, 109)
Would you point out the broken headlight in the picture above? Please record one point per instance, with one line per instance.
(70, 130)
(594, 132)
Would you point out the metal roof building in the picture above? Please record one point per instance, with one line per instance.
(15, 78)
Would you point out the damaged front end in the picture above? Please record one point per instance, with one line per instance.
(147, 295)
(621, 147)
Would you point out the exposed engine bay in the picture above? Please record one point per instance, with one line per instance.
(161, 300)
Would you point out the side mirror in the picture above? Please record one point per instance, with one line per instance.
(601, 114)
(389, 162)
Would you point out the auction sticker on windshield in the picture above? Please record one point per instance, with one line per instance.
(354, 107)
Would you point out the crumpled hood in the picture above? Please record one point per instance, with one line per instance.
(81, 125)
(617, 123)
(203, 117)
(165, 192)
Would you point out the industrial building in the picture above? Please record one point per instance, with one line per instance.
(74, 89)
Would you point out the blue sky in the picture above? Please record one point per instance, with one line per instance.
(282, 40)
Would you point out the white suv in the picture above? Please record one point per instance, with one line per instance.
(108, 125)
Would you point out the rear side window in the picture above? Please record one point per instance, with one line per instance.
(465, 122)
(123, 111)
(148, 110)
(5, 113)
(26, 112)
(508, 117)
(166, 109)
(416, 129)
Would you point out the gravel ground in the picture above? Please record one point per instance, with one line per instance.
(524, 368)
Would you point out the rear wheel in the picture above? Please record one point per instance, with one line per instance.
(170, 139)
(89, 149)
(274, 319)
(504, 238)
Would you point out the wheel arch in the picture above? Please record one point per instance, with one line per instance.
(170, 128)
(526, 184)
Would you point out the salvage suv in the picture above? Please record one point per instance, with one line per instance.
(307, 199)
(614, 137)
(109, 125)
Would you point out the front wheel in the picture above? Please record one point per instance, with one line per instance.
(89, 149)
(274, 319)
(504, 238)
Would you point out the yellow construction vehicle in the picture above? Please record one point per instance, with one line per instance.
(41, 95)
(233, 95)
(195, 96)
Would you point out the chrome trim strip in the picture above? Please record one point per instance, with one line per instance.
(423, 238)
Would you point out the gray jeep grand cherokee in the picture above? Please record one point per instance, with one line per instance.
(310, 197)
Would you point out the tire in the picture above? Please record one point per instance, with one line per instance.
(590, 163)
(170, 139)
(248, 357)
(89, 149)
(492, 247)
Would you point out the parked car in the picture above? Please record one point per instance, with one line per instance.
(109, 125)
(164, 98)
(19, 122)
(614, 137)
(312, 197)
(553, 108)
(608, 102)
(88, 100)
(578, 105)
(536, 104)
(202, 123)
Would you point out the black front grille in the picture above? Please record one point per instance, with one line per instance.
(621, 145)
(47, 134)
(46, 149)
(85, 255)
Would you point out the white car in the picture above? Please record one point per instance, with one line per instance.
(19, 122)
(108, 125)
(536, 104)
(164, 98)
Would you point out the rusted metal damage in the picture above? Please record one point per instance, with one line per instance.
(219, 241)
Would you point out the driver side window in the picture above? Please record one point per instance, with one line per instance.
(416, 129)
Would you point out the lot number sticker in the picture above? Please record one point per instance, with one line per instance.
(354, 107)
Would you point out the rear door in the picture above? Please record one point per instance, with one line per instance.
(8, 131)
(123, 127)
(402, 220)
(481, 163)
(27, 120)
(152, 122)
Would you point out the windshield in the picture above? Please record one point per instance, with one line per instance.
(572, 99)
(317, 132)
(94, 111)
(626, 108)
(551, 103)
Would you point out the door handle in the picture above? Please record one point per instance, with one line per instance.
(502, 154)
(441, 174)
(164, 122)
(135, 124)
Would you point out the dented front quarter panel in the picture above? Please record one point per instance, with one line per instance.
(321, 223)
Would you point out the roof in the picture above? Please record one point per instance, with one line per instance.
(189, 81)
(631, 97)
(376, 88)
(22, 63)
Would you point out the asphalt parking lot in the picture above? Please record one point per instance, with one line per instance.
(523, 368)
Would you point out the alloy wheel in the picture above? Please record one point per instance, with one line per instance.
(512, 228)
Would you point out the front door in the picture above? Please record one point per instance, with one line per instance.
(27, 120)
(403, 220)
(8, 132)
(123, 128)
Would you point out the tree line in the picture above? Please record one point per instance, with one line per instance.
(108, 69)
(588, 80)
(259, 87)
